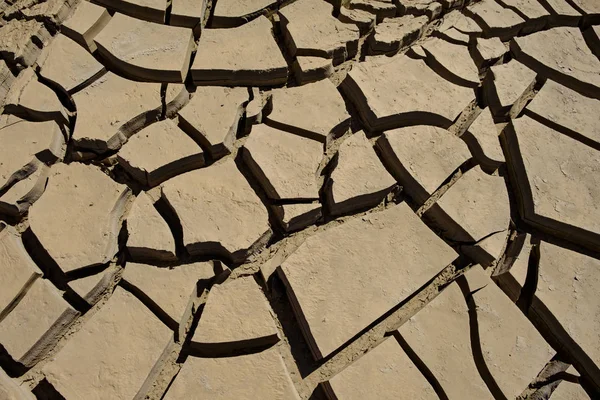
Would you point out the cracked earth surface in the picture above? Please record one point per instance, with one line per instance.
(309, 199)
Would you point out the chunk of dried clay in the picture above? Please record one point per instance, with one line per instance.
(68, 64)
(334, 296)
(311, 30)
(504, 84)
(36, 323)
(174, 291)
(496, 20)
(236, 316)
(320, 100)
(453, 61)
(21, 39)
(254, 376)
(566, 285)
(146, 51)
(85, 23)
(363, 19)
(475, 212)
(108, 108)
(232, 13)
(18, 272)
(160, 152)
(380, 8)
(297, 216)
(77, 220)
(557, 181)
(448, 352)
(567, 111)
(488, 51)
(113, 352)
(312, 69)
(359, 179)
(396, 33)
(420, 97)
(244, 56)
(149, 238)
(384, 372)
(233, 223)
(148, 10)
(572, 63)
(187, 13)
(212, 117)
(513, 351)
(11, 390)
(483, 141)
(30, 99)
(286, 165)
(421, 158)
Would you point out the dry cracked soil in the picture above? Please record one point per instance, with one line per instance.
(300, 199)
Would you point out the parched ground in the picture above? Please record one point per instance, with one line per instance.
(265, 199)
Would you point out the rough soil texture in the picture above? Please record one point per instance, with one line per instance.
(299, 199)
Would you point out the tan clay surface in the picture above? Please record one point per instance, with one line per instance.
(303, 199)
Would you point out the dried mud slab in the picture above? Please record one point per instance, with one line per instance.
(311, 30)
(557, 181)
(32, 100)
(359, 179)
(454, 61)
(68, 64)
(312, 69)
(568, 112)
(233, 220)
(475, 212)
(212, 117)
(488, 51)
(512, 350)
(236, 316)
(363, 19)
(566, 286)
(449, 353)
(572, 63)
(394, 34)
(420, 97)
(483, 140)
(105, 107)
(495, 20)
(285, 165)
(243, 56)
(26, 146)
(316, 111)
(385, 372)
(77, 220)
(112, 354)
(10, 390)
(36, 323)
(341, 280)
(18, 273)
(172, 291)
(146, 51)
(253, 376)
(504, 84)
(421, 158)
(187, 13)
(232, 13)
(85, 23)
(380, 8)
(160, 152)
(149, 10)
(297, 216)
(149, 238)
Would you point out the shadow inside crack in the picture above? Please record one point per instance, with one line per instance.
(476, 347)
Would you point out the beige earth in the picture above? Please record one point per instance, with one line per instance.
(299, 199)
